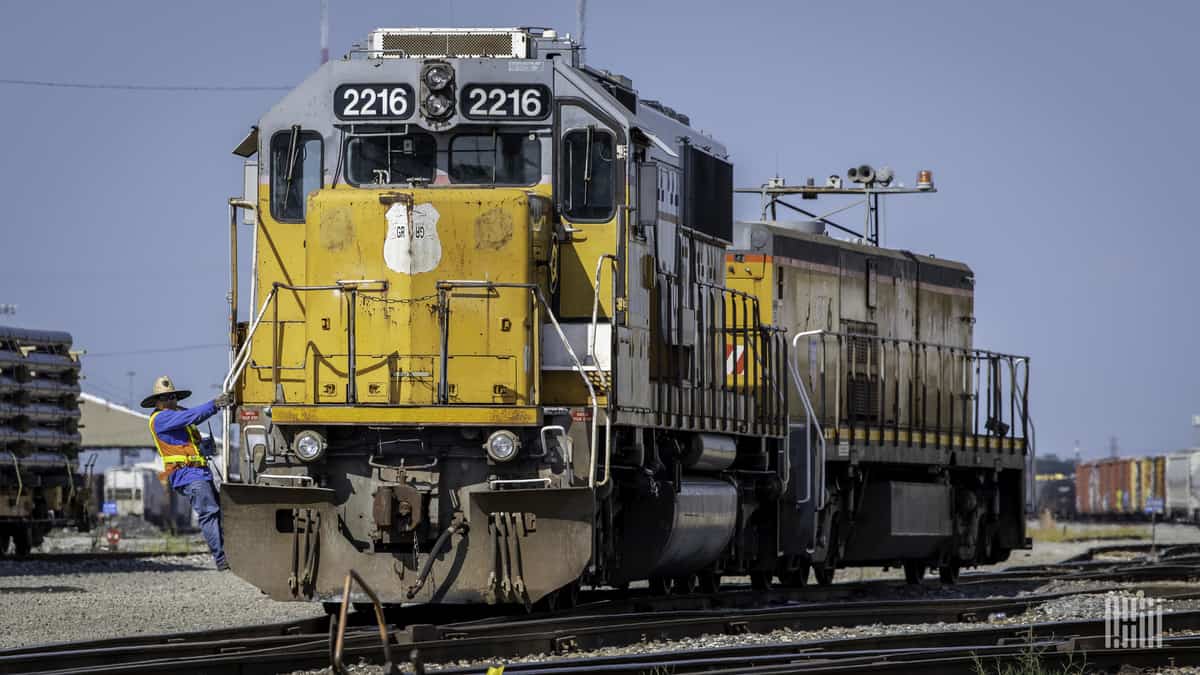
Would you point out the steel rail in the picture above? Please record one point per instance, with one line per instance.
(455, 645)
(280, 653)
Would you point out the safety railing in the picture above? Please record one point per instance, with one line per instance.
(242, 358)
(917, 393)
(719, 367)
(445, 288)
(351, 288)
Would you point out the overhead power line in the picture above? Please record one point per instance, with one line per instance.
(140, 87)
(162, 350)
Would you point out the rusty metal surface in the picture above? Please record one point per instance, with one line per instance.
(517, 546)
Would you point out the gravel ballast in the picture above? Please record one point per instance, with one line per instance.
(46, 601)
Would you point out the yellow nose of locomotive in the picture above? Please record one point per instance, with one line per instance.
(430, 249)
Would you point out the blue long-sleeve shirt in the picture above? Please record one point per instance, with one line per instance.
(171, 427)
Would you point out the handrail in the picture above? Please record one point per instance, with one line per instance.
(592, 356)
(239, 362)
(1000, 385)
(1031, 444)
(236, 367)
(536, 292)
(810, 420)
(242, 359)
(243, 356)
(596, 302)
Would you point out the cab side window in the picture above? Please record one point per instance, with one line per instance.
(588, 174)
(296, 163)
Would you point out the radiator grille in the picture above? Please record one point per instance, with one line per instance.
(862, 397)
(448, 45)
(863, 350)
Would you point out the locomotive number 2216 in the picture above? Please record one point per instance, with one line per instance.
(372, 101)
(509, 101)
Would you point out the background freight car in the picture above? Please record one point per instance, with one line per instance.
(1183, 485)
(137, 491)
(1056, 495)
(1120, 487)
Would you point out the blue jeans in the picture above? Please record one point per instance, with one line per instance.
(203, 496)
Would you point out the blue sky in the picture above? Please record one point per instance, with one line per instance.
(1062, 137)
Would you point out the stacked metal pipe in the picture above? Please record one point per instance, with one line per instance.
(39, 393)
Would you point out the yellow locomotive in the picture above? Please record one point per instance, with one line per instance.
(500, 346)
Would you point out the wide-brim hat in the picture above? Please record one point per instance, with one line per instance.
(162, 387)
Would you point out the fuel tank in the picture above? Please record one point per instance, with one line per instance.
(710, 452)
(672, 534)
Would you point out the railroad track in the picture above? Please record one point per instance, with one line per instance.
(87, 556)
(952, 652)
(441, 634)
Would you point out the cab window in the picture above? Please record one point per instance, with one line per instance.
(295, 172)
(390, 159)
(496, 159)
(588, 174)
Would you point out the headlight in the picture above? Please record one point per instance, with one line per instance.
(437, 105)
(502, 446)
(309, 446)
(438, 76)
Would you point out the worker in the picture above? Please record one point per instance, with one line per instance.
(179, 444)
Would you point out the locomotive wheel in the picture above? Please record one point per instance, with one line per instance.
(760, 581)
(710, 582)
(823, 575)
(914, 571)
(949, 573)
(660, 586)
(797, 578)
(685, 585)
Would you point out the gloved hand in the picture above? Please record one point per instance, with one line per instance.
(224, 400)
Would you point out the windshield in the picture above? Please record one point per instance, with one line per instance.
(500, 159)
(468, 158)
(391, 158)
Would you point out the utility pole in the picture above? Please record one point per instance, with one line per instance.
(1113, 450)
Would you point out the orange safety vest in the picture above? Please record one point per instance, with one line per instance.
(176, 456)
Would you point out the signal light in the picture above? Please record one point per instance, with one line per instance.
(924, 179)
(438, 76)
(437, 90)
(437, 105)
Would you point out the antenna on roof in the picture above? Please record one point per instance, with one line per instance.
(580, 24)
(324, 31)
